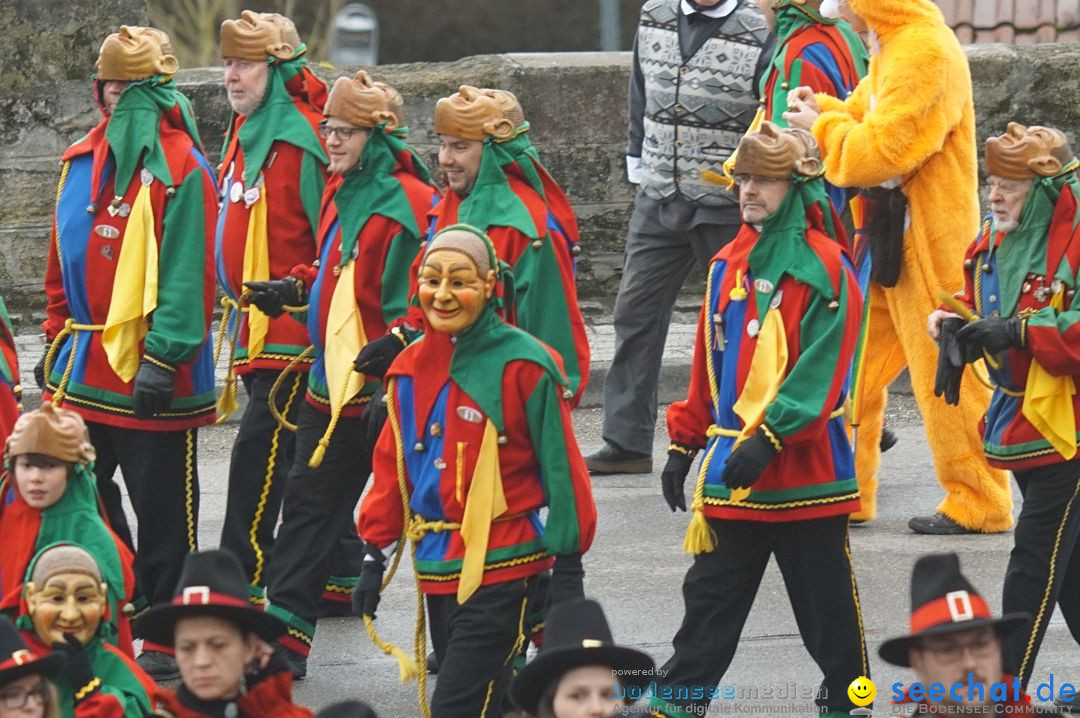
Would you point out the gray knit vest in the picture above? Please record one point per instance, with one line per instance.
(696, 110)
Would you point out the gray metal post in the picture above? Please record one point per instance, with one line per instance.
(609, 25)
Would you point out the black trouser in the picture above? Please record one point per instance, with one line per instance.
(1044, 567)
(160, 471)
(475, 644)
(720, 588)
(316, 511)
(261, 457)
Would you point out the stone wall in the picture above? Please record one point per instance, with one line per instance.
(575, 102)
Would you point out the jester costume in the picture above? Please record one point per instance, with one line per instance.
(480, 440)
(10, 389)
(777, 331)
(271, 176)
(910, 125)
(1028, 278)
(369, 233)
(118, 688)
(532, 226)
(130, 275)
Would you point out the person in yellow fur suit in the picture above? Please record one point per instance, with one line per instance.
(910, 124)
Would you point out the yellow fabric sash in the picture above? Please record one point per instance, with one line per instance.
(257, 269)
(134, 290)
(485, 502)
(726, 179)
(1048, 402)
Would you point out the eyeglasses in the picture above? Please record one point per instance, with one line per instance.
(14, 698)
(344, 133)
(981, 646)
(757, 179)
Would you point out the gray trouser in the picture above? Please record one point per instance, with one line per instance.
(658, 258)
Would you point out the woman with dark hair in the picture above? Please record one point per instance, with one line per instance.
(227, 667)
(26, 690)
(580, 672)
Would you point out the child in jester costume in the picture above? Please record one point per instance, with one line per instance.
(272, 175)
(48, 495)
(479, 441)
(1020, 307)
(765, 408)
(130, 291)
(64, 609)
(496, 184)
(370, 230)
(10, 389)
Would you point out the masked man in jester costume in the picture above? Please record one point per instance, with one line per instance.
(1018, 312)
(10, 389)
(765, 410)
(478, 441)
(370, 228)
(64, 609)
(272, 174)
(48, 495)
(130, 289)
(496, 183)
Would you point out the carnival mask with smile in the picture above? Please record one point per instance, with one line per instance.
(135, 53)
(66, 603)
(456, 281)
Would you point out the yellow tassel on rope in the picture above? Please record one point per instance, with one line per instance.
(700, 537)
(407, 669)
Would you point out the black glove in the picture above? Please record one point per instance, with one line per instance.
(993, 334)
(377, 355)
(79, 671)
(567, 581)
(39, 369)
(153, 389)
(673, 478)
(365, 597)
(376, 417)
(272, 297)
(950, 364)
(744, 466)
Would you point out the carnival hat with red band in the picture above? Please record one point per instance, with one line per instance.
(16, 661)
(211, 584)
(943, 601)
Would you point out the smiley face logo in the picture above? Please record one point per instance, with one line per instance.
(862, 691)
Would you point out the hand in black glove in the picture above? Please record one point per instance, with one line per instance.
(673, 478)
(376, 417)
(365, 597)
(79, 671)
(567, 581)
(950, 365)
(993, 334)
(39, 369)
(272, 297)
(377, 355)
(744, 466)
(153, 389)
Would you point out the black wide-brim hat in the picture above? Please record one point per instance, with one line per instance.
(576, 634)
(943, 601)
(16, 661)
(211, 583)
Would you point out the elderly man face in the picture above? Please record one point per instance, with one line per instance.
(245, 83)
(1007, 197)
(760, 197)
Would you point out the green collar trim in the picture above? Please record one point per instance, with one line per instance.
(492, 203)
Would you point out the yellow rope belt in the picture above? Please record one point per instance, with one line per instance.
(714, 430)
(72, 329)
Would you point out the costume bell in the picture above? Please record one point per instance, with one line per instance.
(765, 410)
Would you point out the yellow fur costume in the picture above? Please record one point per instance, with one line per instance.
(913, 118)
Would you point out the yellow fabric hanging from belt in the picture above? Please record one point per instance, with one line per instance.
(257, 269)
(344, 339)
(1048, 402)
(134, 290)
(726, 178)
(484, 503)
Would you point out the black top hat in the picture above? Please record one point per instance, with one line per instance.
(576, 634)
(943, 601)
(16, 661)
(211, 583)
(347, 709)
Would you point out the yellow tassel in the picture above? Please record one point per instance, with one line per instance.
(407, 669)
(226, 403)
(699, 535)
(319, 452)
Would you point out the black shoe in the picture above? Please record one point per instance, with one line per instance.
(888, 439)
(296, 662)
(159, 666)
(938, 525)
(610, 459)
(432, 664)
